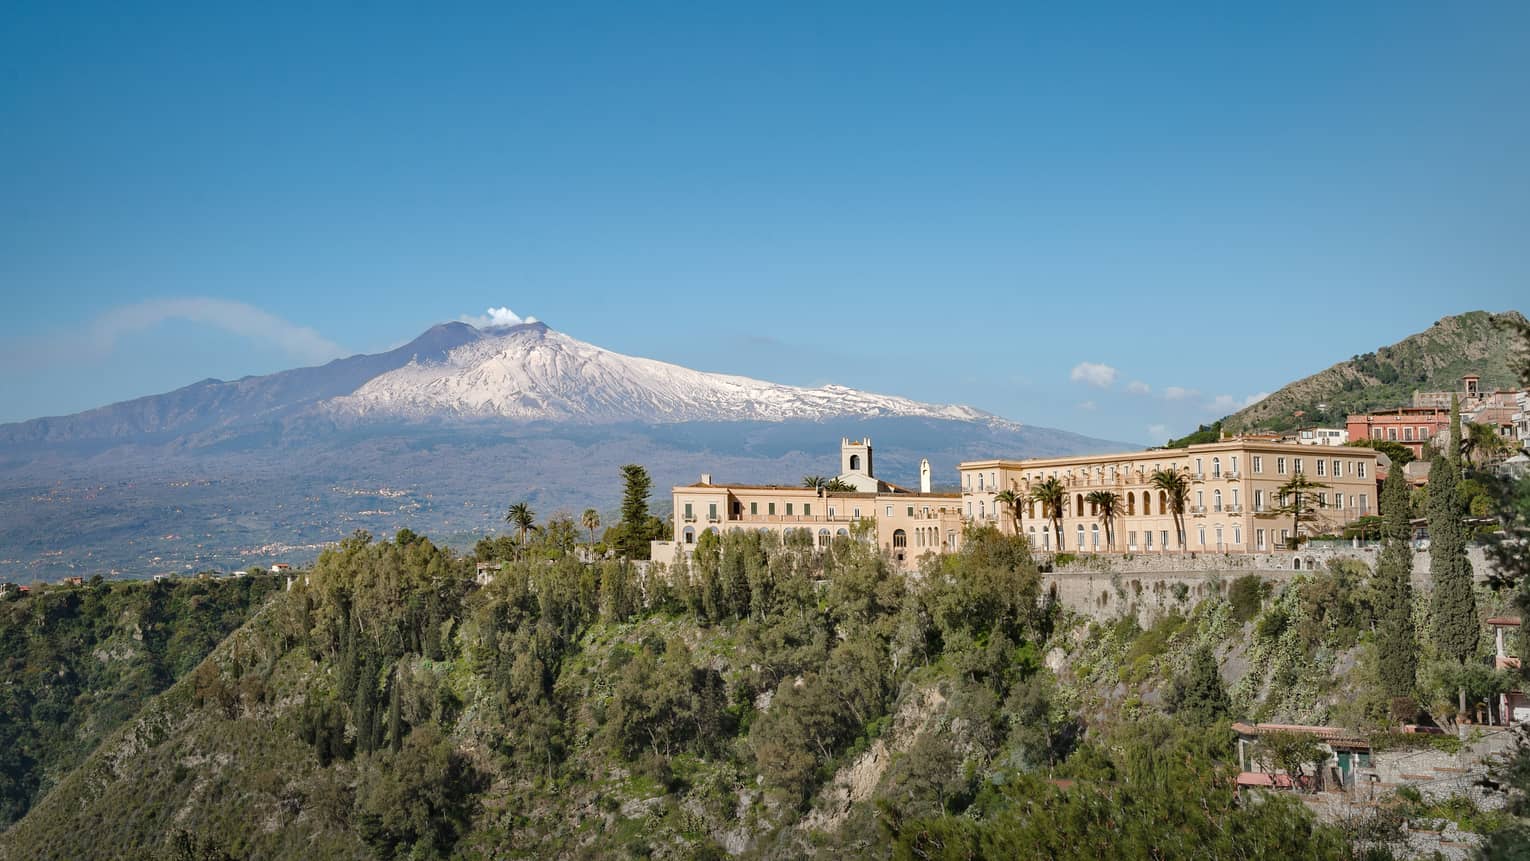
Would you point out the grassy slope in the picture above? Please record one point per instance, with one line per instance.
(1432, 360)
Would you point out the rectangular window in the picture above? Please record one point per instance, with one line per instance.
(1131, 540)
(1163, 538)
(1336, 469)
(969, 509)
(1285, 538)
(771, 509)
(1148, 537)
(754, 508)
(712, 511)
(1235, 497)
(1258, 500)
(1259, 538)
(1298, 466)
(1407, 434)
(1360, 469)
(855, 514)
(1203, 536)
(788, 509)
(1365, 503)
(1237, 535)
(1200, 499)
(1234, 465)
(1258, 464)
(688, 514)
(911, 511)
(807, 509)
(1198, 469)
(1320, 466)
(1280, 466)
(889, 511)
(1392, 434)
(1338, 500)
(1423, 433)
(1375, 433)
(966, 481)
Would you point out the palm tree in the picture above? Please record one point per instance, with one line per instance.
(1301, 502)
(521, 517)
(1053, 496)
(838, 485)
(814, 482)
(591, 521)
(1012, 501)
(1108, 504)
(1176, 491)
(1481, 444)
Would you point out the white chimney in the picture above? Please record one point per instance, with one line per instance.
(924, 476)
(706, 478)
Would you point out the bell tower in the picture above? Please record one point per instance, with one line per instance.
(855, 457)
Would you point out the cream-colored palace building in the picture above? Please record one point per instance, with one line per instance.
(908, 523)
(1234, 488)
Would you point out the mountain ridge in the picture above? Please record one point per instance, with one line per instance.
(1431, 360)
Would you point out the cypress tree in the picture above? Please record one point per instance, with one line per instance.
(1454, 605)
(1396, 643)
(1198, 696)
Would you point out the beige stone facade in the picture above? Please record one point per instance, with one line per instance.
(1234, 489)
(907, 524)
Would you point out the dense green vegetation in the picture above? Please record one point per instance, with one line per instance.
(75, 662)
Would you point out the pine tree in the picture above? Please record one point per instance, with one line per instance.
(395, 714)
(1454, 605)
(1396, 643)
(634, 537)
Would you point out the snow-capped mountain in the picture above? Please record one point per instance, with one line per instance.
(530, 373)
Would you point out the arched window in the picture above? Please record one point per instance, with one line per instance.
(1147, 503)
(980, 481)
(1094, 536)
(1078, 507)
(1131, 503)
(1216, 467)
(1216, 502)
(842, 532)
(855, 463)
(1081, 536)
(900, 538)
(690, 535)
(980, 502)
(1163, 502)
(823, 538)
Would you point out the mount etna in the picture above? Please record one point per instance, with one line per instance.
(438, 435)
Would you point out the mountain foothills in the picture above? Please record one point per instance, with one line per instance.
(1477, 342)
(432, 435)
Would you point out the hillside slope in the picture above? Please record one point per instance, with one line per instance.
(1432, 360)
(389, 708)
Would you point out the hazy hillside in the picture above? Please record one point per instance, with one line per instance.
(772, 702)
(1432, 360)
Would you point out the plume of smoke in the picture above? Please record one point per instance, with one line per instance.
(501, 316)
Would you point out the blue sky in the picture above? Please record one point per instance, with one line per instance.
(957, 205)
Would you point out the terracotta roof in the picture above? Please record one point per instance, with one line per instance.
(1504, 622)
(1330, 734)
(1259, 778)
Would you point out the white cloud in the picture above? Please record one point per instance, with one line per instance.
(1138, 387)
(1228, 403)
(1179, 393)
(496, 317)
(1087, 405)
(1093, 373)
(100, 335)
(1158, 432)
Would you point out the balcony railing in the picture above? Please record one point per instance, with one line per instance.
(1197, 509)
